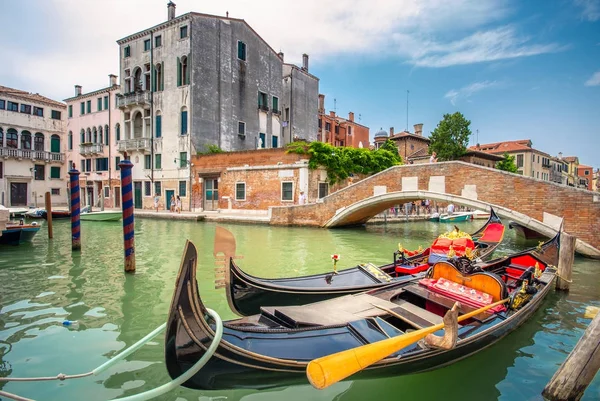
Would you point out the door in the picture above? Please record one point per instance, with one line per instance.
(211, 194)
(137, 192)
(18, 194)
(168, 194)
(117, 196)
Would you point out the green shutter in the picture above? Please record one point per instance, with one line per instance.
(153, 78)
(158, 126)
(187, 71)
(162, 76)
(178, 71)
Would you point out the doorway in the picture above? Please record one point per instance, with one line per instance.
(137, 191)
(117, 196)
(211, 193)
(168, 194)
(18, 194)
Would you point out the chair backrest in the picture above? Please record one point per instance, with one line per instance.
(487, 282)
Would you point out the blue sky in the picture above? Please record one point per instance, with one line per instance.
(516, 69)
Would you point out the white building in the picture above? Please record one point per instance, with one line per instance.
(92, 118)
(32, 152)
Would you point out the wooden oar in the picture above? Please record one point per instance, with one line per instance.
(330, 369)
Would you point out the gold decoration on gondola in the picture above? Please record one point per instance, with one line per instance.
(469, 253)
(539, 246)
(451, 252)
(455, 234)
(538, 271)
(521, 297)
(223, 250)
(400, 247)
(420, 249)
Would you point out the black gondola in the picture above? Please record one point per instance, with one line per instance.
(274, 347)
(247, 293)
(56, 214)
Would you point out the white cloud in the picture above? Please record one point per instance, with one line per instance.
(590, 9)
(594, 80)
(466, 91)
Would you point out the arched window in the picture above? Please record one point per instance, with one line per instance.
(159, 83)
(137, 79)
(1, 138)
(100, 141)
(158, 125)
(12, 138)
(106, 135)
(55, 144)
(89, 136)
(184, 121)
(82, 136)
(26, 140)
(38, 141)
(184, 73)
(95, 135)
(70, 140)
(118, 132)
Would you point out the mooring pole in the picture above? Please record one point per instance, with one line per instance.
(75, 224)
(128, 219)
(566, 257)
(48, 200)
(578, 370)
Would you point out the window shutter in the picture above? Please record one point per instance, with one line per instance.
(187, 70)
(162, 76)
(178, 71)
(153, 79)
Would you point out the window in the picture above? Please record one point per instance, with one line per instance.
(11, 106)
(182, 188)
(158, 127)
(183, 74)
(183, 32)
(99, 103)
(148, 162)
(25, 108)
(127, 51)
(327, 126)
(70, 140)
(118, 132)
(95, 137)
(1, 170)
(117, 161)
(323, 189)
(349, 130)
(146, 45)
(38, 142)
(158, 41)
(100, 140)
(586, 172)
(89, 106)
(1, 137)
(2, 104)
(262, 139)
(54, 172)
(102, 164)
(70, 110)
(38, 111)
(54, 114)
(241, 128)
(106, 135)
(157, 161)
(55, 191)
(39, 172)
(274, 141)
(262, 101)
(275, 102)
(147, 188)
(241, 50)
(519, 160)
(287, 191)
(320, 123)
(184, 121)
(159, 79)
(337, 129)
(182, 159)
(26, 140)
(240, 191)
(82, 111)
(82, 165)
(12, 140)
(157, 188)
(88, 164)
(106, 192)
(82, 136)
(105, 102)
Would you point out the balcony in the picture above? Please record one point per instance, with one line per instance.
(263, 107)
(139, 144)
(90, 148)
(275, 111)
(133, 98)
(35, 155)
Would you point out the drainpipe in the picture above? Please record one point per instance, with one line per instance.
(191, 67)
(109, 141)
(291, 103)
(152, 78)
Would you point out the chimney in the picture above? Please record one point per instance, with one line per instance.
(170, 10)
(113, 79)
(280, 54)
(418, 129)
(351, 117)
(331, 113)
(77, 90)
(391, 131)
(560, 155)
(305, 62)
(321, 104)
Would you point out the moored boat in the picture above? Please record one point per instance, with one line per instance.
(247, 293)
(101, 216)
(456, 217)
(35, 213)
(15, 233)
(57, 214)
(273, 348)
(525, 232)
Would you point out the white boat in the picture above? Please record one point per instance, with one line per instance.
(479, 214)
(17, 211)
(35, 213)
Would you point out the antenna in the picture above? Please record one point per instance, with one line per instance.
(476, 143)
(407, 110)
(359, 117)
(335, 105)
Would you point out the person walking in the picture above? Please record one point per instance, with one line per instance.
(302, 199)
(433, 158)
(156, 200)
(172, 202)
(178, 204)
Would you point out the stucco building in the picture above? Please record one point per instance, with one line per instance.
(585, 175)
(339, 131)
(196, 81)
(32, 149)
(92, 118)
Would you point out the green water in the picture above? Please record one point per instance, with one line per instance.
(42, 284)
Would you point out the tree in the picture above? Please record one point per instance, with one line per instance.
(450, 138)
(507, 164)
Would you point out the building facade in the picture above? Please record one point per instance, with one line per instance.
(92, 118)
(32, 149)
(530, 162)
(191, 83)
(339, 131)
(412, 147)
(585, 175)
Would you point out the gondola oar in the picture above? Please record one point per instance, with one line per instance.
(330, 369)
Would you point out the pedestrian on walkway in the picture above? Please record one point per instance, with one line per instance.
(172, 203)
(433, 158)
(178, 204)
(302, 199)
(156, 199)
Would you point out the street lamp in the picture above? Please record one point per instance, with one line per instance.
(190, 164)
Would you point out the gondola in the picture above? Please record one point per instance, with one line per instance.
(273, 348)
(247, 293)
(56, 214)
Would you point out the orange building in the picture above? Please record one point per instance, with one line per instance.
(585, 176)
(339, 131)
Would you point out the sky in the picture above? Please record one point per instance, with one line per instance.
(517, 69)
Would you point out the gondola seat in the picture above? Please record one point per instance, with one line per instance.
(404, 269)
(492, 233)
(459, 245)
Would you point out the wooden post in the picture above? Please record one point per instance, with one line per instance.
(566, 258)
(128, 218)
(48, 200)
(75, 224)
(578, 370)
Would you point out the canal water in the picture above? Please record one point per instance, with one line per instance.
(44, 284)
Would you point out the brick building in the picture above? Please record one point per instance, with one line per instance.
(339, 131)
(412, 147)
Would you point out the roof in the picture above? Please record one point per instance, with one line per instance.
(380, 134)
(406, 134)
(33, 97)
(483, 155)
(571, 159)
(422, 152)
(583, 166)
(93, 93)
(302, 70)
(523, 145)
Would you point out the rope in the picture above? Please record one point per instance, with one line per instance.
(146, 395)
(562, 278)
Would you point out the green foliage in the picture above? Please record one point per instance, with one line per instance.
(450, 138)
(507, 164)
(210, 149)
(341, 162)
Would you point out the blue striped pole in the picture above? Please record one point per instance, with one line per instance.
(128, 220)
(75, 224)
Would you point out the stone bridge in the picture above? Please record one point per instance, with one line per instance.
(539, 205)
